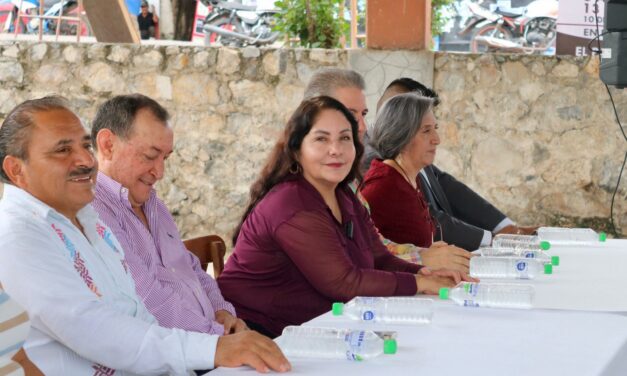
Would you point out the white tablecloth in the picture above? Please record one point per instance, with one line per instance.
(560, 340)
(588, 279)
(472, 341)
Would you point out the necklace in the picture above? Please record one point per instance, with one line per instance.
(406, 176)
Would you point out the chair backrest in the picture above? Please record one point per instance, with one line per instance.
(28, 367)
(208, 249)
(14, 328)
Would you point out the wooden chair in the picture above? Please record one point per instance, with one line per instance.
(29, 368)
(208, 249)
(20, 360)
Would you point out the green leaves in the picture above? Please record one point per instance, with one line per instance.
(438, 18)
(317, 23)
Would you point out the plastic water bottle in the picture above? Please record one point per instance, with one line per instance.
(303, 341)
(496, 295)
(512, 252)
(525, 242)
(508, 267)
(571, 236)
(392, 310)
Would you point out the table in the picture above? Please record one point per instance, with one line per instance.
(588, 279)
(564, 335)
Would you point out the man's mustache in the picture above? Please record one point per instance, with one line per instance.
(82, 171)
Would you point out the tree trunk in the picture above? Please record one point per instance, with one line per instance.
(311, 24)
(166, 20)
(184, 11)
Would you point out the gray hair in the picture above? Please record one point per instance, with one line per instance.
(118, 114)
(398, 122)
(325, 81)
(16, 129)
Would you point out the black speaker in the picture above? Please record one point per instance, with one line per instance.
(613, 69)
(615, 15)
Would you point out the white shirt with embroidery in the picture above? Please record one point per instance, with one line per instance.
(85, 314)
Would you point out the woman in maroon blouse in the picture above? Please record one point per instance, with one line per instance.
(405, 136)
(305, 241)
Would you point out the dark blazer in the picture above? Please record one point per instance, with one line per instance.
(462, 214)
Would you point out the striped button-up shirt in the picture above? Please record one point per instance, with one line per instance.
(169, 278)
(14, 327)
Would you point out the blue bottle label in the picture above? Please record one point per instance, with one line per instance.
(368, 315)
(470, 303)
(471, 288)
(522, 266)
(355, 341)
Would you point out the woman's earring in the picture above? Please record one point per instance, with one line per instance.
(294, 168)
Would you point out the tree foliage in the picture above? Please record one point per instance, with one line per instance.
(317, 23)
(438, 17)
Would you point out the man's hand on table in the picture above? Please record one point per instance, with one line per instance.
(252, 349)
(443, 256)
(518, 230)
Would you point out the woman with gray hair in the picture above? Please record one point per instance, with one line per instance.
(405, 136)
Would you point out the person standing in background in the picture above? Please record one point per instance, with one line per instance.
(147, 21)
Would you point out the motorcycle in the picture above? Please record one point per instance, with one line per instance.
(238, 25)
(29, 20)
(66, 27)
(528, 30)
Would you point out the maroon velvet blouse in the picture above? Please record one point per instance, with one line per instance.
(398, 210)
(293, 259)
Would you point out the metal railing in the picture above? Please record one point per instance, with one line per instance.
(41, 16)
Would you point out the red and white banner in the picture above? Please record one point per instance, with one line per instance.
(202, 11)
(577, 25)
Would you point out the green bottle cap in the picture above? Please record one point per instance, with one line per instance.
(548, 269)
(444, 291)
(389, 346)
(555, 260)
(544, 245)
(337, 309)
(602, 236)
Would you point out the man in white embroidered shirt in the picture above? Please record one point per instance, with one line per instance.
(65, 267)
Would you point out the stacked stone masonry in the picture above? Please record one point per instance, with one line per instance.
(535, 135)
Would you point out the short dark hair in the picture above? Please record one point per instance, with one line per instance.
(412, 85)
(16, 128)
(118, 114)
(407, 85)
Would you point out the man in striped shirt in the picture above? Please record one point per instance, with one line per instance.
(133, 139)
(61, 263)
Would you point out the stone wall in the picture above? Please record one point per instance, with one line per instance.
(533, 134)
(537, 135)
